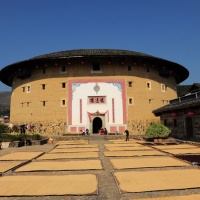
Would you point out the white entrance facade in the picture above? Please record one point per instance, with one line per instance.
(102, 98)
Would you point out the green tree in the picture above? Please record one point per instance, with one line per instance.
(157, 130)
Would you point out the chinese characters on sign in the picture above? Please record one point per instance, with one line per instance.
(98, 100)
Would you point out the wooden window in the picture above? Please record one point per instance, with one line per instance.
(130, 101)
(130, 83)
(43, 103)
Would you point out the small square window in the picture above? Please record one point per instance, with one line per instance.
(150, 101)
(63, 69)
(130, 101)
(44, 103)
(43, 86)
(149, 85)
(23, 89)
(63, 85)
(175, 123)
(130, 83)
(28, 88)
(63, 102)
(163, 87)
(96, 68)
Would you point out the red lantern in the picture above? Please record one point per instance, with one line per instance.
(174, 114)
(191, 114)
(82, 62)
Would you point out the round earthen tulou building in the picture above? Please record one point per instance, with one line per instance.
(70, 91)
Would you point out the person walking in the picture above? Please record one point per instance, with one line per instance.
(127, 135)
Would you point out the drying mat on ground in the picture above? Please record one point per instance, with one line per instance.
(154, 180)
(70, 150)
(142, 148)
(123, 145)
(72, 142)
(186, 197)
(61, 165)
(143, 162)
(7, 165)
(177, 146)
(81, 184)
(132, 153)
(76, 146)
(122, 141)
(56, 156)
(183, 151)
(21, 155)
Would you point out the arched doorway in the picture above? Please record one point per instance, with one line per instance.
(96, 125)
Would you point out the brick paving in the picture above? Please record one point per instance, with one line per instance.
(107, 187)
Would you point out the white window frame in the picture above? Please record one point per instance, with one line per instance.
(163, 87)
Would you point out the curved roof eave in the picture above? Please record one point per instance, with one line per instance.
(4, 73)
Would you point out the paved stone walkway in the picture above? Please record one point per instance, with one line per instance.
(107, 188)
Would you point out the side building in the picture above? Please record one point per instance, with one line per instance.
(182, 115)
(72, 90)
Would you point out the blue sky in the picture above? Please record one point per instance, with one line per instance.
(168, 29)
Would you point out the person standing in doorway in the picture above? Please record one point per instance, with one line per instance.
(127, 135)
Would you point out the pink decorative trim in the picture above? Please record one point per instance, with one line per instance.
(73, 129)
(95, 113)
(81, 111)
(121, 129)
(113, 110)
(113, 129)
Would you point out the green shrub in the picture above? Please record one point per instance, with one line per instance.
(7, 138)
(3, 128)
(35, 137)
(157, 130)
(20, 137)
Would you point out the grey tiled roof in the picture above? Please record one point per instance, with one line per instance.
(181, 73)
(177, 106)
(92, 52)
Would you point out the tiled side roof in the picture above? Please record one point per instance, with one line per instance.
(181, 105)
(182, 89)
(195, 87)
